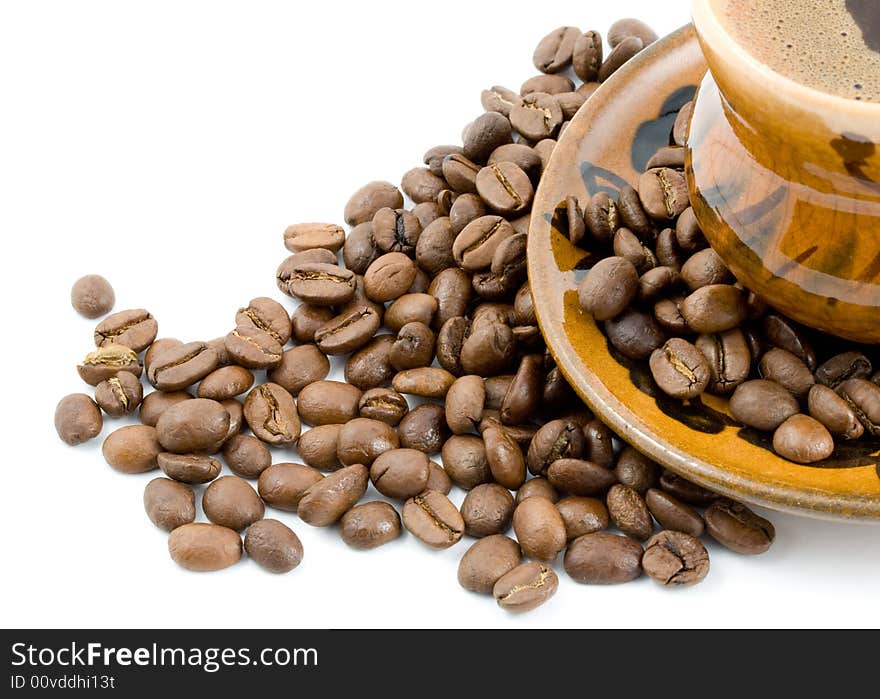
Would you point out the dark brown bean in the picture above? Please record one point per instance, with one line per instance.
(317, 447)
(134, 328)
(582, 516)
(673, 514)
(675, 558)
(273, 545)
(424, 428)
(433, 519)
(328, 403)
(539, 528)
(738, 528)
(636, 470)
(189, 468)
(326, 501)
(299, 367)
(603, 559)
(169, 504)
(803, 439)
(272, 415)
(365, 202)
(486, 562)
(282, 485)
(370, 525)
(525, 587)
(231, 502)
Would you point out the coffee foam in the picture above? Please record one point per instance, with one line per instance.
(828, 45)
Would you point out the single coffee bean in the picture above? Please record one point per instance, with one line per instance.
(132, 449)
(486, 562)
(505, 188)
(505, 457)
(715, 308)
(434, 248)
(413, 348)
(389, 277)
(864, 398)
(246, 455)
(461, 172)
(157, 348)
(328, 402)
(603, 559)
(525, 587)
(521, 155)
(674, 514)
(579, 477)
(348, 331)
(523, 307)
(608, 288)
(680, 369)
(476, 245)
(465, 461)
(523, 397)
(272, 415)
(253, 348)
(669, 254)
(598, 444)
(282, 485)
(359, 251)
(705, 268)
(424, 428)
(484, 135)
(317, 447)
(668, 156)
(667, 312)
(489, 350)
(539, 528)
(601, 218)
(687, 232)
(204, 547)
(420, 185)
(433, 519)
(362, 441)
(384, 405)
(509, 260)
(684, 490)
(433, 158)
(365, 202)
(105, 362)
(834, 413)
(632, 214)
(370, 525)
(499, 99)
(624, 28)
(620, 54)
(587, 56)
(628, 246)
(193, 426)
(77, 419)
(558, 439)
(729, 360)
(635, 334)
(135, 329)
(92, 296)
(396, 230)
(636, 470)
(119, 395)
(803, 439)
(181, 366)
(657, 283)
(154, 404)
(762, 404)
(735, 526)
(536, 487)
(427, 382)
(326, 501)
(225, 382)
(410, 308)
(841, 367)
(193, 469)
(370, 366)
(675, 558)
(400, 473)
(321, 284)
(438, 479)
(452, 289)
(582, 516)
(785, 369)
(538, 117)
(285, 271)
(487, 509)
(306, 320)
(465, 400)
(169, 504)
(783, 333)
(629, 512)
(545, 84)
(305, 236)
(554, 52)
(273, 545)
(231, 502)
(267, 315)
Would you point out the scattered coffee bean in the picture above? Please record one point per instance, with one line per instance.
(77, 419)
(328, 402)
(135, 329)
(675, 558)
(317, 447)
(225, 382)
(673, 514)
(486, 562)
(537, 487)
(231, 502)
(424, 428)
(189, 468)
(193, 426)
(582, 516)
(636, 470)
(204, 547)
(433, 519)
(539, 528)
(326, 501)
(803, 439)
(738, 528)
(487, 510)
(119, 395)
(92, 296)
(273, 545)
(107, 361)
(629, 512)
(525, 587)
(132, 449)
(370, 525)
(603, 559)
(762, 404)
(169, 504)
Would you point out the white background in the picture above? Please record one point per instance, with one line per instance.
(166, 145)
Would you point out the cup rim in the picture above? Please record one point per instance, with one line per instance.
(706, 22)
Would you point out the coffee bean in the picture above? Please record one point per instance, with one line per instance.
(272, 415)
(359, 251)
(785, 369)
(864, 398)
(485, 134)
(620, 54)
(317, 447)
(119, 395)
(236, 416)
(632, 214)
(413, 348)
(729, 359)
(687, 232)
(204, 547)
(179, 367)
(305, 236)
(657, 283)
(762, 404)
(521, 155)
(601, 218)
(132, 449)
(267, 315)
(628, 246)
(326, 501)
(587, 56)
(135, 329)
(253, 348)
(536, 487)
(523, 397)
(92, 296)
(539, 528)
(247, 456)
(673, 514)
(499, 99)
(320, 284)
(545, 84)
(675, 558)
(273, 545)
(582, 516)
(396, 230)
(362, 441)
(426, 382)
(452, 289)
(189, 468)
(841, 367)
(553, 53)
(465, 461)
(680, 369)
(509, 262)
(487, 509)
(420, 185)
(433, 519)
(476, 245)
(424, 428)
(634, 334)
(525, 587)
(738, 528)
(433, 158)
(369, 525)
(328, 402)
(193, 426)
(834, 413)
(400, 473)
(282, 485)
(389, 277)
(608, 288)
(714, 308)
(668, 156)
(505, 188)
(348, 331)
(157, 348)
(231, 502)
(465, 400)
(598, 444)
(668, 252)
(225, 382)
(705, 268)
(370, 366)
(579, 477)
(105, 362)
(169, 504)
(486, 562)
(366, 201)
(636, 470)
(307, 319)
(684, 490)
(410, 308)
(629, 512)
(624, 28)
(558, 439)
(77, 419)
(489, 350)
(384, 405)
(603, 559)
(803, 439)
(506, 460)
(538, 117)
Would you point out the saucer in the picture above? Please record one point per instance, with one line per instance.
(605, 147)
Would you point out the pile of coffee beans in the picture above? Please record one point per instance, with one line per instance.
(664, 296)
(431, 307)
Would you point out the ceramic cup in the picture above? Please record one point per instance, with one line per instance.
(785, 182)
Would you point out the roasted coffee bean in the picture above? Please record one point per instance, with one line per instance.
(523, 397)
(253, 348)
(499, 99)
(486, 562)
(273, 545)
(496, 388)
(538, 117)
(272, 415)
(369, 525)
(635, 334)
(438, 479)
(373, 196)
(119, 395)
(467, 208)
(485, 134)
(675, 558)
(505, 457)
(598, 444)
(328, 402)
(608, 288)
(465, 401)
(525, 587)
(465, 461)
(359, 251)
(619, 55)
(544, 148)
(461, 172)
(267, 315)
(231, 502)
(537, 487)
(169, 504)
(669, 256)
(225, 382)
(383, 404)
(624, 28)
(193, 426)
(680, 369)
(705, 268)
(410, 308)
(687, 232)
(663, 193)
(370, 366)
(236, 416)
(299, 367)
(487, 510)
(475, 247)
(362, 441)
(684, 490)
(389, 277)
(348, 331)
(284, 273)
(424, 428)
(636, 470)
(762, 404)
(426, 382)
(582, 516)
(546, 84)
(321, 284)
(715, 308)
(246, 456)
(433, 519)
(521, 155)
(282, 485)
(656, 283)
(452, 289)
(92, 296)
(132, 449)
(509, 260)
(489, 350)
(841, 367)
(505, 188)
(603, 559)
(864, 398)
(433, 158)
(785, 369)
(317, 447)
(539, 528)
(735, 526)
(729, 360)
(396, 230)
(601, 218)
(579, 477)
(421, 185)
(553, 53)
(629, 512)
(154, 404)
(558, 439)
(834, 413)
(400, 473)
(523, 307)
(587, 56)
(667, 156)
(305, 236)
(628, 246)
(413, 348)
(783, 333)
(204, 547)
(326, 501)
(105, 362)
(77, 419)
(178, 367)
(158, 347)
(194, 469)
(673, 514)
(135, 329)
(306, 320)
(668, 315)
(632, 214)
(803, 439)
